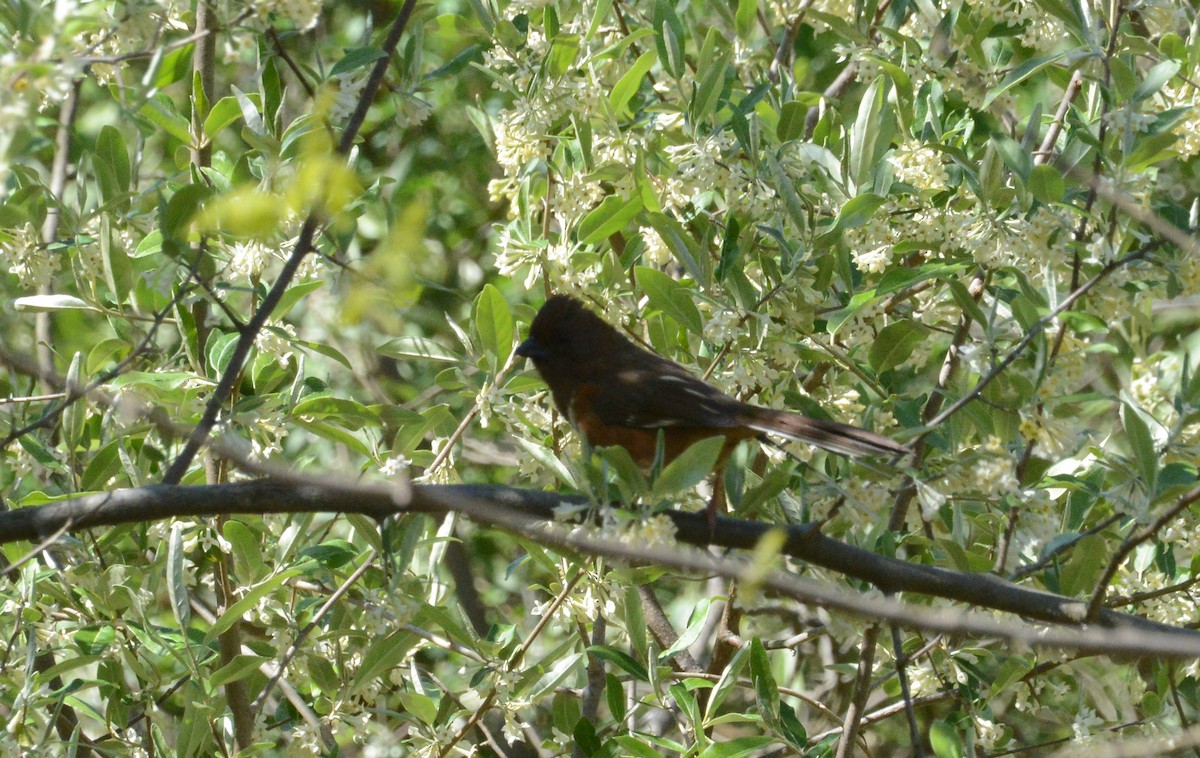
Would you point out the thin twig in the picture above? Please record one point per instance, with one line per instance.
(1042, 156)
(304, 246)
(343, 588)
(914, 731)
(862, 690)
(75, 394)
(784, 52)
(886, 712)
(1062, 547)
(32, 398)
(1096, 604)
(1032, 334)
(904, 497)
(490, 699)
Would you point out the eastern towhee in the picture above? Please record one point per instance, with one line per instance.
(617, 393)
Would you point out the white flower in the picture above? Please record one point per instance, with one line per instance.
(873, 261)
(930, 499)
(919, 166)
(394, 466)
(248, 260)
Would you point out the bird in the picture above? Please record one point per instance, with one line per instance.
(616, 392)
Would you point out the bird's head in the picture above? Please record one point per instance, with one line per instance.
(565, 341)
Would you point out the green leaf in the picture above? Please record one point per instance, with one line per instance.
(237, 669)
(622, 660)
(421, 348)
(199, 97)
(494, 323)
(743, 20)
(112, 153)
(1123, 78)
(1046, 184)
(1172, 45)
(248, 104)
(614, 694)
(174, 67)
(599, 16)
(176, 585)
(346, 412)
(728, 682)
(609, 217)
(622, 464)
(857, 211)
(635, 622)
(1087, 559)
(685, 699)
(586, 741)
(894, 343)
(945, 740)
(871, 134)
(483, 14)
(791, 121)
(547, 459)
(1014, 155)
(1021, 73)
(359, 57)
(682, 244)
(383, 655)
(182, 208)
(670, 297)
(766, 691)
(696, 625)
(320, 348)
(160, 111)
(669, 38)
(784, 187)
(968, 304)
(711, 78)
(896, 279)
(793, 729)
(118, 269)
(75, 414)
(221, 348)
(223, 113)
(730, 249)
(690, 467)
(235, 612)
(247, 550)
(1158, 75)
(95, 640)
(103, 465)
(330, 554)
(564, 49)
(1141, 445)
(424, 707)
(47, 303)
(272, 87)
(636, 747)
(1149, 149)
(292, 296)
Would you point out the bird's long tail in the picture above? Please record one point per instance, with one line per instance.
(827, 435)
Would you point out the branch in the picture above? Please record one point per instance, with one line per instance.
(531, 513)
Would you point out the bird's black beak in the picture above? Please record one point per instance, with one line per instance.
(530, 348)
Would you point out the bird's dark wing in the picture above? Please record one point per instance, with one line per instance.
(653, 392)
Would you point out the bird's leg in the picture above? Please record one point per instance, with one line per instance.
(717, 503)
